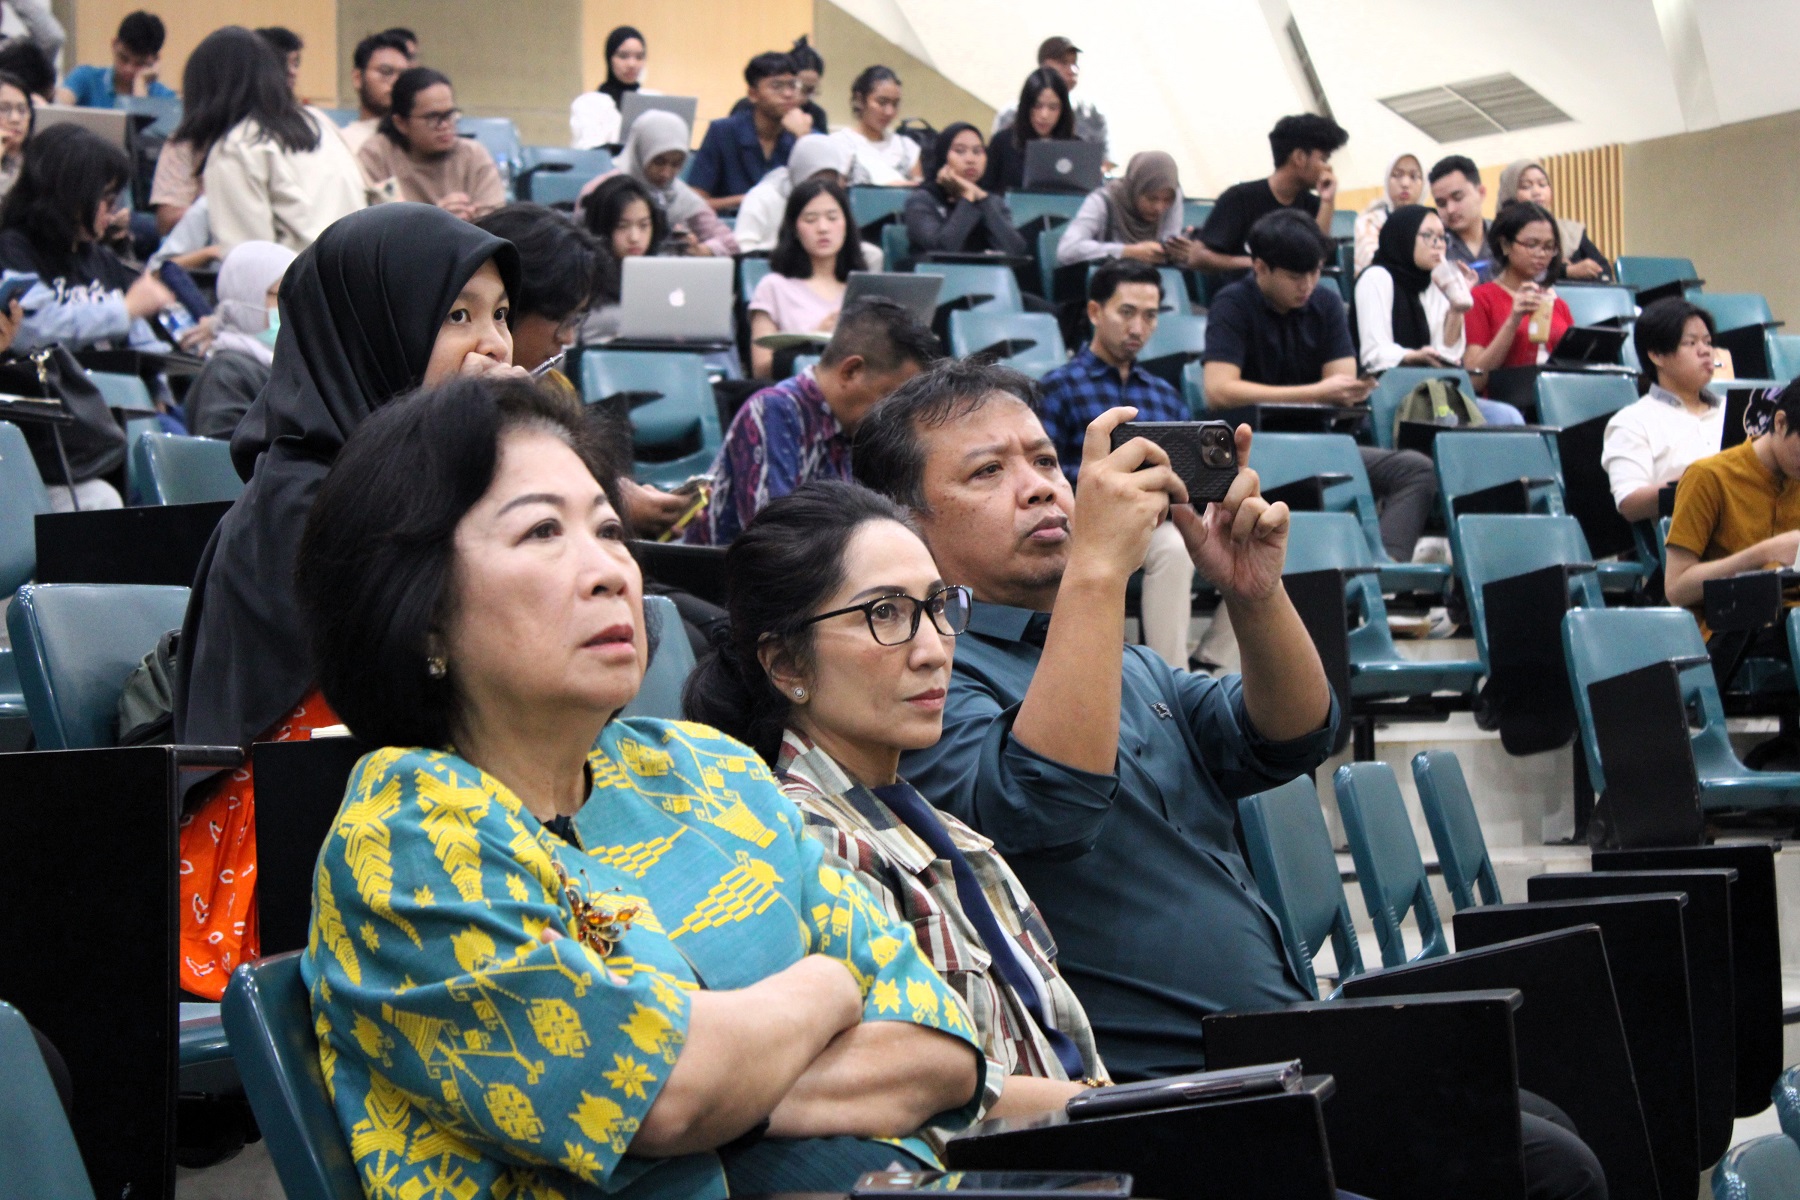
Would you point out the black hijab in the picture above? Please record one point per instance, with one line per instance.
(1395, 255)
(932, 161)
(360, 312)
(613, 86)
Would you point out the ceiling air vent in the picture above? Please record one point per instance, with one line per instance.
(1476, 108)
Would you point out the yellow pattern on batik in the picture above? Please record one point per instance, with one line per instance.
(746, 890)
(450, 816)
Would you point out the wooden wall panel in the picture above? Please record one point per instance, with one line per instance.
(1590, 188)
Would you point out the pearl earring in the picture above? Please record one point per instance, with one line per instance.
(436, 667)
(799, 693)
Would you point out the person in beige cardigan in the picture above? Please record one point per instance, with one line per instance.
(417, 155)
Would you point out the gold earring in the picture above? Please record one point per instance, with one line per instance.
(436, 667)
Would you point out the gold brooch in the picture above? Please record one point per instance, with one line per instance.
(597, 920)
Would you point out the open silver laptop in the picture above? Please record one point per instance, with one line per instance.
(917, 294)
(1062, 166)
(110, 123)
(637, 102)
(676, 299)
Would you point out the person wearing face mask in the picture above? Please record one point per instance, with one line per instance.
(1403, 184)
(654, 154)
(1043, 112)
(388, 299)
(813, 258)
(882, 157)
(951, 211)
(594, 117)
(418, 155)
(1527, 180)
(1137, 217)
(238, 364)
(1503, 326)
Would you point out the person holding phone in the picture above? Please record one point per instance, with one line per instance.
(1136, 217)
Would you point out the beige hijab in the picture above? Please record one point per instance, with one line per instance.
(1568, 233)
(1148, 171)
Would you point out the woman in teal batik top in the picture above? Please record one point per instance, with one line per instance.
(555, 954)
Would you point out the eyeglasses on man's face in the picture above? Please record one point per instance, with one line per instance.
(894, 620)
(439, 120)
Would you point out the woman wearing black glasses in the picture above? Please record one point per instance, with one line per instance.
(835, 661)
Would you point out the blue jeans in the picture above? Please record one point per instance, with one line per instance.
(1498, 412)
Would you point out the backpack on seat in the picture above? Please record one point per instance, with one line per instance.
(1437, 402)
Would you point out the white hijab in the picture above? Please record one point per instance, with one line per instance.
(654, 134)
(250, 270)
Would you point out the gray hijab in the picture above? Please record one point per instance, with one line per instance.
(654, 134)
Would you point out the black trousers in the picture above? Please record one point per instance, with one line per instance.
(1558, 1164)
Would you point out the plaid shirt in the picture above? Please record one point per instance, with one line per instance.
(1084, 387)
(782, 437)
(916, 886)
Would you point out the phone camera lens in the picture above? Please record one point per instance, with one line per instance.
(1216, 448)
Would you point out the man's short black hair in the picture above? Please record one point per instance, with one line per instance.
(1289, 240)
(404, 34)
(142, 33)
(1658, 331)
(23, 58)
(766, 65)
(887, 454)
(365, 49)
(284, 40)
(1305, 131)
(883, 334)
(1106, 279)
(559, 261)
(1451, 164)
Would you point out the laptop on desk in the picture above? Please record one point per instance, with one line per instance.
(1062, 166)
(676, 299)
(111, 124)
(638, 103)
(1584, 344)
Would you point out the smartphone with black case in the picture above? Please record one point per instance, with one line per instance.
(996, 1185)
(1179, 1090)
(1202, 453)
(15, 288)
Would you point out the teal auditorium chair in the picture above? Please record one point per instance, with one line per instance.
(1764, 1168)
(1734, 310)
(896, 247)
(977, 286)
(74, 645)
(1335, 541)
(501, 137)
(1388, 865)
(268, 1018)
(871, 204)
(1592, 305)
(674, 419)
(1193, 389)
(1787, 1102)
(22, 498)
(1566, 399)
(1179, 335)
(751, 270)
(1047, 242)
(123, 391)
(1644, 271)
(185, 470)
(1027, 207)
(1195, 212)
(41, 1159)
(1470, 463)
(1784, 354)
(1391, 388)
(973, 332)
(1297, 873)
(1604, 643)
(1455, 829)
(671, 662)
(556, 174)
(1284, 458)
(1500, 546)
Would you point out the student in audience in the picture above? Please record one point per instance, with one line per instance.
(1679, 420)
(813, 257)
(1527, 180)
(66, 197)
(1043, 112)
(627, 223)
(1739, 511)
(208, 81)
(559, 262)
(273, 170)
(408, 39)
(1107, 778)
(595, 118)
(386, 300)
(419, 156)
(809, 73)
(288, 45)
(1402, 184)
(1458, 193)
(23, 58)
(1302, 147)
(814, 156)
(17, 120)
(742, 148)
(951, 211)
(379, 60)
(1063, 56)
(1124, 300)
(1522, 241)
(238, 363)
(835, 662)
(1137, 217)
(136, 51)
(653, 155)
(799, 429)
(1277, 337)
(880, 156)
(481, 619)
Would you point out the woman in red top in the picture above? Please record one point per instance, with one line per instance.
(1523, 240)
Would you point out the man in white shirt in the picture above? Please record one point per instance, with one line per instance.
(1679, 421)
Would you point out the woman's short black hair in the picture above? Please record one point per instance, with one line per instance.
(601, 211)
(25, 60)
(887, 454)
(1035, 83)
(66, 173)
(8, 79)
(1510, 222)
(1289, 240)
(558, 259)
(407, 87)
(232, 76)
(1658, 331)
(377, 561)
(779, 571)
(790, 257)
(804, 56)
(863, 84)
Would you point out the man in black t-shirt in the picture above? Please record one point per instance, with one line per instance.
(1302, 147)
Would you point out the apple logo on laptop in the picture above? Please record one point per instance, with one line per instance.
(1064, 166)
(678, 298)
